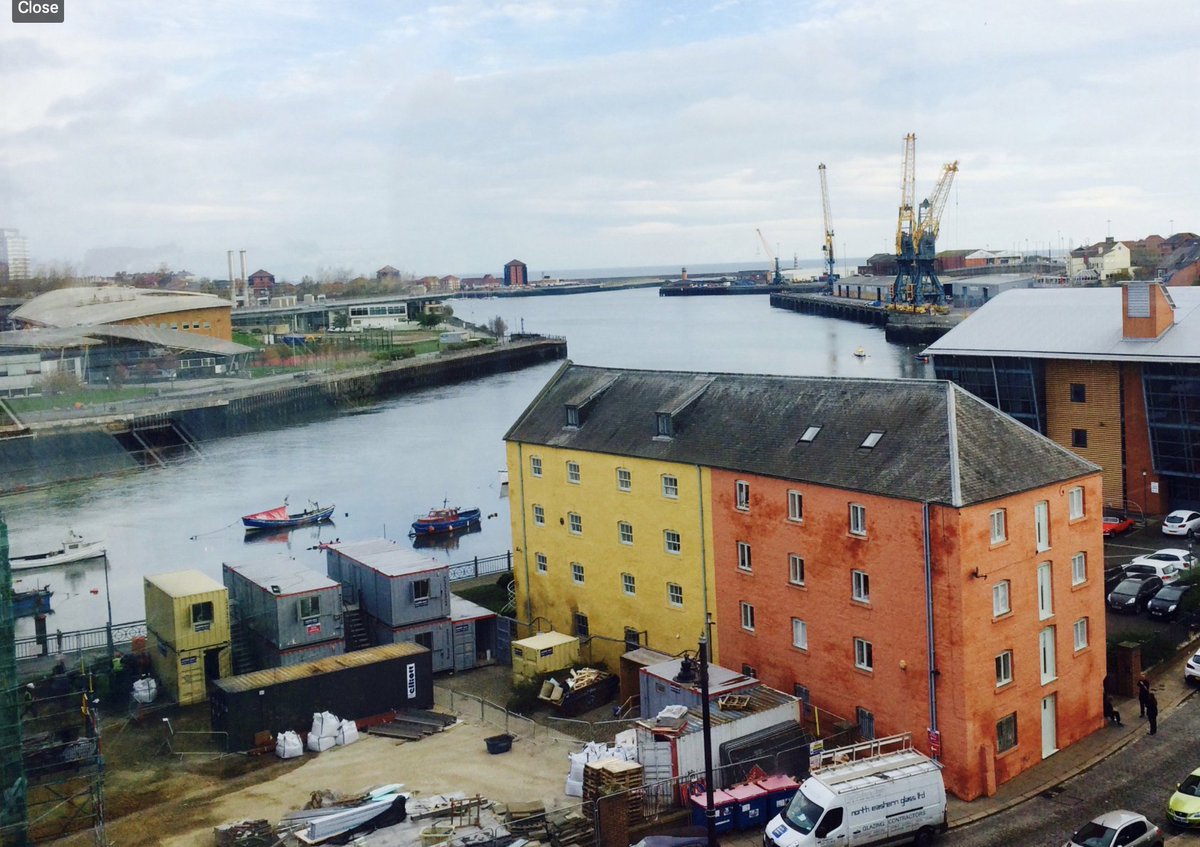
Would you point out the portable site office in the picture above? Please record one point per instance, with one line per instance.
(543, 653)
(187, 625)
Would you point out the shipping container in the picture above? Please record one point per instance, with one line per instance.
(287, 613)
(543, 653)
(669, 684)
(187, 626)
(353, 686)
(474, 634)
(391, 583)
(435, 636)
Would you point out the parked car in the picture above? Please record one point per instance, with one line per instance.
(1183, 809)
(1121, 827)
(1191, 671)
(1182, 522)
(1116, 524)
(1180, 558)
(1132, 594)
(1163, 570)
(1165, 604)
(1113, 575)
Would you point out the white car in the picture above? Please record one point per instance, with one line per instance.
(1180, 558)
(1182, 522)
(1166, 571)
(1122, 827)
(1191, 671)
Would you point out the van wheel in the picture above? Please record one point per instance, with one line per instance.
(924, 837)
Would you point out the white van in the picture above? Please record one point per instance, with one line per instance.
(878, 793)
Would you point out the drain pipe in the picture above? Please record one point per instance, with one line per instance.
(704, 561)
(932, 656)
(524, 534)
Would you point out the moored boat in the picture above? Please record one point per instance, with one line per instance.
(75, 548)
(860, 353)
(35, 601)
(280, 518)
(445, 519)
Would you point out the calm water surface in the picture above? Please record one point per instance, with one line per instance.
(384, 465)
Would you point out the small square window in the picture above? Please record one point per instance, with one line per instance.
(310, 607)
(810, 434)
(743, 556)
(572, 416)
(1081, 633)
(1004, 668)
(624, 479)
(202, 613)
(1006, 733)
(742, 493)
(577, 574)
(864, 655)
(795, 569)
(633, 638)
(1079, 568)
(747, 617)
(535, 465)
(799, 634)
(671, 541)
(1078, 392)
(625, 532)
(858, 519)
(573, 472)
(795, 506)
(1000, 599)
(539, 515)
(1075, 502)
(860, 586)
(670, 486)
(629, 584)
(663, 425)
(999, 523)
(575, 523)
(871, 440)
(420, 591)
(1079, 438)
(581, 625)
(542, 565)
(675, 594)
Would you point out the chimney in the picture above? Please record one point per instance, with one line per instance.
(1147, 311)
(245, 284)
(232, 284)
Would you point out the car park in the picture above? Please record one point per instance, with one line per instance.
(1166, 572)
(1177, 556)
(1182, 522)
(1113, 574)
(1116, 524)
(1183, 809)
(1166, 603)
(1132, 594)
(1120, 828)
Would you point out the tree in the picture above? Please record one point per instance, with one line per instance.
(59, 382)
(341, 320)
(431, 319)
(497, 327)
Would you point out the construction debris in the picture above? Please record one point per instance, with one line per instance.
(257, 833)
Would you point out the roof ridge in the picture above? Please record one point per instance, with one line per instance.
(898, 380)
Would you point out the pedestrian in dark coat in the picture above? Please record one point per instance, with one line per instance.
(1143, 687)
(1152, 712)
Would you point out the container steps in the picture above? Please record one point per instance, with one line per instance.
(358, 637)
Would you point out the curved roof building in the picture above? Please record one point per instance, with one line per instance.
(93, 305)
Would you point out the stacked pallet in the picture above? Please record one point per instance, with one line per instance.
(569, 828)
(525, 820)
(245, 834)
(613, 776)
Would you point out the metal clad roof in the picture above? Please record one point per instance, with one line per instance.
(462, 609)
(1071, 323)
(332, 664)
(388, 557)
(184, 583)
(283, 572)
(86, 305)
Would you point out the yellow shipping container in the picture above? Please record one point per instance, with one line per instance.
(545, 652)
(187, 625)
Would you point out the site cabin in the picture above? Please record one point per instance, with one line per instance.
(880, 792)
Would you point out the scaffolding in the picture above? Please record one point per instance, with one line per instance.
(51, 769)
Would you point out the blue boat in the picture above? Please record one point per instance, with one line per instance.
(35, 601)
(445, 519)
(279, 518)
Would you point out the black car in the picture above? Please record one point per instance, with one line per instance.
(1113, 575)
(1165, 604)
(1132, 595)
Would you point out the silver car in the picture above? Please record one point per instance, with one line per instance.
(1121, 828)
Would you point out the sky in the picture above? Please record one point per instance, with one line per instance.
(451, 137)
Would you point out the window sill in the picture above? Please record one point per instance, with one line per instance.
(1002, 616)
(1003, 542)
(1003, 689)
(1075, 586)
(1050, 680)
(797, 521)
(798, 585)
(1001, 754)
(865, 671)
(800, 649)
(861, 536)
(860, 602)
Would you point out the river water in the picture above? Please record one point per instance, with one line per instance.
(386, 464)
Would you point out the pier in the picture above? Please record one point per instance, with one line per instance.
(899, 327)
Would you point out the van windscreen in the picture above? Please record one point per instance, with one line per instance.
(802, 813)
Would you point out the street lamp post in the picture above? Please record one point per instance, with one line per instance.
(108, 602)
(710, 814)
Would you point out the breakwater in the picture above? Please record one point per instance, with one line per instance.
(116, 438)
(898, 327)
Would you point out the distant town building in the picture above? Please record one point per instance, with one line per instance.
(471, 283)
(14, 256)
(262, 283)
(1104, 259)
(387, 274)
(516, 273)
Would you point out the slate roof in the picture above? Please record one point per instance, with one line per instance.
(939, 444)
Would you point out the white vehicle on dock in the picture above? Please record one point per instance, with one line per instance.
(879, 792)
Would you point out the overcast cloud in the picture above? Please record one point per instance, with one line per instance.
(451, 137)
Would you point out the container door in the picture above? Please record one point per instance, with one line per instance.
(464, 646)
(504, 639)
(1049, 727)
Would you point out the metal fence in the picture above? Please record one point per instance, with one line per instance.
(478, 567)
(78, 641)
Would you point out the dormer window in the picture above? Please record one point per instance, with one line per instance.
(664, 425)
(810, 434)
(871, 440)
(572, 416)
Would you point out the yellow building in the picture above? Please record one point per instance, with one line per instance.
(187, 625)
(606, 546)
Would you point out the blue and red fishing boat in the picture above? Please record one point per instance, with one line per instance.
(280, 518)
(446, 519)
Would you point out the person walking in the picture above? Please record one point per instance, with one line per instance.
(1143, 689)
(1152, 712)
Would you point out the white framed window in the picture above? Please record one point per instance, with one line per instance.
(542, 564)
(675, 595)
(795, 569)
(742, 495)
(624, 479)
(747, 617)
(1045, 591)
(1004, 668)
(999, 522)
(799, 634)
(577, 573)
(1041, 525)
(1075, 502)
(629, 584)
(670, 486)
(535, 465)
(858, 519)
(1048, 661)
(671, 541)
(575, 523)
(744, 560)
(860, 586)
(1081, 633)
(625, 532)
(1000, 599)
(1079, 568)
(539, 515)
(573, 473)
(864, 655)
(795, 506)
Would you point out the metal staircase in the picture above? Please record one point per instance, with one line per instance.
(358, 637)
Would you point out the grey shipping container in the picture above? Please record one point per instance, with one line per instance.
(393, 584)
(436, 636)
(356, 685)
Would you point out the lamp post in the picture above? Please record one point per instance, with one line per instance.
(108, 602)
(710, 814)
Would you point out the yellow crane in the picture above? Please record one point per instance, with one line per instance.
(917, 287)
(827, 249)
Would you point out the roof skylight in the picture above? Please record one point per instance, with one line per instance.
(872, 439)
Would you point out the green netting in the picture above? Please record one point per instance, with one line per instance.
(12, 772)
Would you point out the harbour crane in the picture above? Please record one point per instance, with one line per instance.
(776, 276)
(917, 285)
(827, 249)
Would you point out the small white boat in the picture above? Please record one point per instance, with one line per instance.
(860, 353)
(75, 548)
